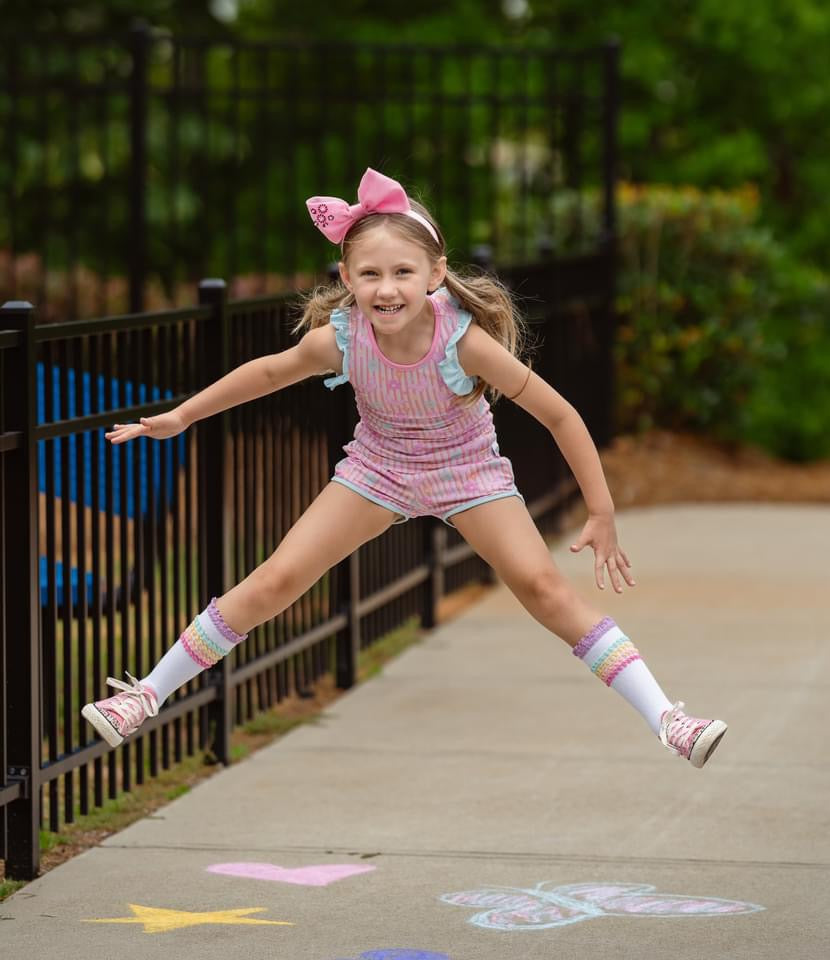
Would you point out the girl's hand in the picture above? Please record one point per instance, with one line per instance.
(160, 427)
(601, 533)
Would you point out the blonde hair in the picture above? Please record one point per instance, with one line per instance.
(482, 295)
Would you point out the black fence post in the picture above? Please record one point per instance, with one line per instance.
(139, 43)
(347, 640)
(215, 466)
(611, 105)
(20, 562)
(435, 543)
(604, 431)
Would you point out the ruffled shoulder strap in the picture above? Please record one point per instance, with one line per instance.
(340, 321)
(450, 367)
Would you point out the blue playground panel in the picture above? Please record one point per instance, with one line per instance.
(121, 395)
(44, 594)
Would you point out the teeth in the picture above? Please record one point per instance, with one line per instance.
(389, 309)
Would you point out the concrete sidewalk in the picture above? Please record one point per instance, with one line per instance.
(485, 798)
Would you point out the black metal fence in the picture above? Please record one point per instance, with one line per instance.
(101, 573)
(133, 166)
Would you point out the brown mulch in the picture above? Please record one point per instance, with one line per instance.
(662, 467)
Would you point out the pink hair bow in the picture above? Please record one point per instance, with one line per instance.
(375, 194)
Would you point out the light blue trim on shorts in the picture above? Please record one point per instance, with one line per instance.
(370, 496)
(474, 503)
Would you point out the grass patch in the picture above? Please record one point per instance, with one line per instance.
(8, 887)
(274, 723)
(374, 658)
(48, 841)
(177, 791)
(118, 813)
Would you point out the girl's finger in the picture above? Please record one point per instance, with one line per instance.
(614, 574)
(628, 576)
(599, 570)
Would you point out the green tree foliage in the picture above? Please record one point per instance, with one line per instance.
(377, 21)
(84, 17)
(720, 94)
(721, 330)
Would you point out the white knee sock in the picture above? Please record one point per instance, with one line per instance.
(608, 653)
(203, 643)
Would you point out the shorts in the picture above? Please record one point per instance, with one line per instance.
(437, 492)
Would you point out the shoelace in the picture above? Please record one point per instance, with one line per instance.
(134, 702)
(686, 727)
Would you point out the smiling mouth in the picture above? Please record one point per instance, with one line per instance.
(389, 311)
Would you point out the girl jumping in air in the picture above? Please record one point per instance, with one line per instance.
(419, 345)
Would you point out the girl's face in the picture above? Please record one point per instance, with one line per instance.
(390, 277)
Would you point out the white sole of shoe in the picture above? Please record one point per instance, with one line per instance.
(91, 713)
(707, 742)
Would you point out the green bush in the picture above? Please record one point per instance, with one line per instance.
(693, 292)
(720, 331)
(788, 410)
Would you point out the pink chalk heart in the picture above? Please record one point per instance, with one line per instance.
(320, 875)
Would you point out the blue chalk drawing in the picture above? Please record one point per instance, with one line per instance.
(545, 906)
(397, 954)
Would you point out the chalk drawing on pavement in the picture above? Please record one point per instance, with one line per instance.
(161, 920)
(317, 875)
(545, 906)
(398, 954)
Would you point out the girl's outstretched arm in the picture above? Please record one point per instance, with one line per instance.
(482, 356)
(316, 353)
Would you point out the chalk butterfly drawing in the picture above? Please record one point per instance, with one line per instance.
(545, 906)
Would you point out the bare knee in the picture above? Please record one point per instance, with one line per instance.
(275, 582)
(263, 594)
(546, 592)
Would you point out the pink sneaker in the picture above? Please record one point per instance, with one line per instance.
(117, 717)
(690, 737)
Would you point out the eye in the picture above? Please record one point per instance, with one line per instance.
(367, 273)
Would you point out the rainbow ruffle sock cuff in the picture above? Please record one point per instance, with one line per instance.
(209, 638)
(606, 650)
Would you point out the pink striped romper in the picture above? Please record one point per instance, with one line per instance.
(418, 449)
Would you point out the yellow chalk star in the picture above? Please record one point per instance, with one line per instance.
(159, 920)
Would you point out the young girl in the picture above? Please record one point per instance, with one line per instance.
(419, 345)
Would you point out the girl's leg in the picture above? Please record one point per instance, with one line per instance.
(335, 525)
(503, 533)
